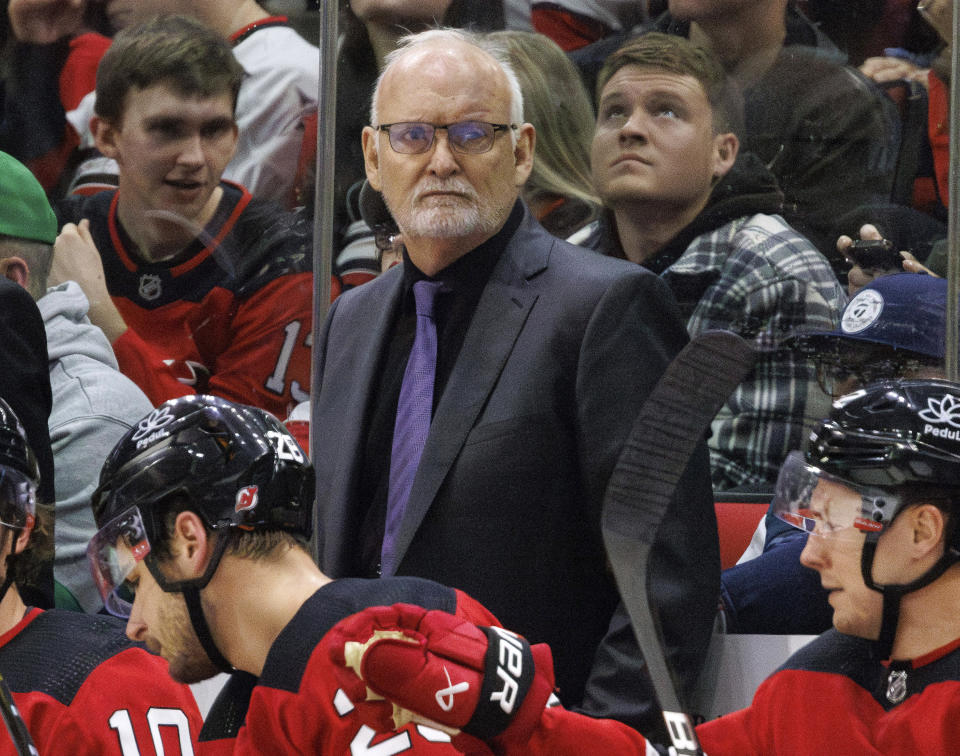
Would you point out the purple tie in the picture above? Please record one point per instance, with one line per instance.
(413, 418)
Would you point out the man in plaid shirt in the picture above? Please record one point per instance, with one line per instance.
(687, 206)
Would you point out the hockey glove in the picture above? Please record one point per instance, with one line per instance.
(437, 669)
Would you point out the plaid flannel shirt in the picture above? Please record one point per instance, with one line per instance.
(760, 278)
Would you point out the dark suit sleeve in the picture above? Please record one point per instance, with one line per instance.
(25, 381)
(25, 385)
(634, 333)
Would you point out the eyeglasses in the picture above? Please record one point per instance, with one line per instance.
(839, 373)
(468, 137)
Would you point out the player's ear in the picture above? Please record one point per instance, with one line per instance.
(22, 539)
(929, 529)
(190, 544)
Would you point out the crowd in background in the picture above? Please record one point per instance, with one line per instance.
(157, 205)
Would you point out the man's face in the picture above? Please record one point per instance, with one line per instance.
(171, 150)
(835, 553)
(654, 141)
(441, 193)
(161, 621)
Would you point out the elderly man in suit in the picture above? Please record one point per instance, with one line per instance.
(471, 442)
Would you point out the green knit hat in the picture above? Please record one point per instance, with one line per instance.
(25, 212)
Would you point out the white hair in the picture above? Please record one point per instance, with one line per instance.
(494, 49)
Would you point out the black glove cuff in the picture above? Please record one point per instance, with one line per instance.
(508, 674)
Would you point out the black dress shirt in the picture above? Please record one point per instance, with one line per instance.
(465, 280)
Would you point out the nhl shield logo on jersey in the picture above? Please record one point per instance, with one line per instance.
(897, 686)
(150, 287)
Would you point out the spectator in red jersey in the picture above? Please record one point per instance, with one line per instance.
(276, 105)
(198, 286)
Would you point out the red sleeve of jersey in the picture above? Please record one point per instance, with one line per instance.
(123, 707)
(566, 733)
(568, 29)
(473, 611)
(802, 712)
(939, 134)
(319, 718)
(79, 74)
(264, 359)
(144, 365)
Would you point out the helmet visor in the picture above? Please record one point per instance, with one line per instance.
(18, 498)
(816, 502)
(113, 553)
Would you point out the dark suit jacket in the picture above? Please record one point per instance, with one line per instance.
(562, 350)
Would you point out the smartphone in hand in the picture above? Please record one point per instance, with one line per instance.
(875, 254)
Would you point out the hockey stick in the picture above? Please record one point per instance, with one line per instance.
(671, 423)
(19, 734)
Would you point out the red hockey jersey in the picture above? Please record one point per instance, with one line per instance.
(296, 705)
(83, 688)
(231, 316)
(831, 697)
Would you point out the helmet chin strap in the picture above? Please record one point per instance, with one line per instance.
(191, 594)
(892, 594)
(9, 573)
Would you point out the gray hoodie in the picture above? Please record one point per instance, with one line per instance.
(93, 405)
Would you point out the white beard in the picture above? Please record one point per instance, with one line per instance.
(447, 216)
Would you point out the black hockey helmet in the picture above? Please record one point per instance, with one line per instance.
(19, 473)
(887, 444)
(893, 433)
(235, 466)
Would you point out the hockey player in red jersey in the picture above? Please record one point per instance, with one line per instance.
(204, 512)
(80, 686)
(199, 287)
(879, 492)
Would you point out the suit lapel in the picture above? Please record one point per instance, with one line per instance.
(374, 316)
(497, 323)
